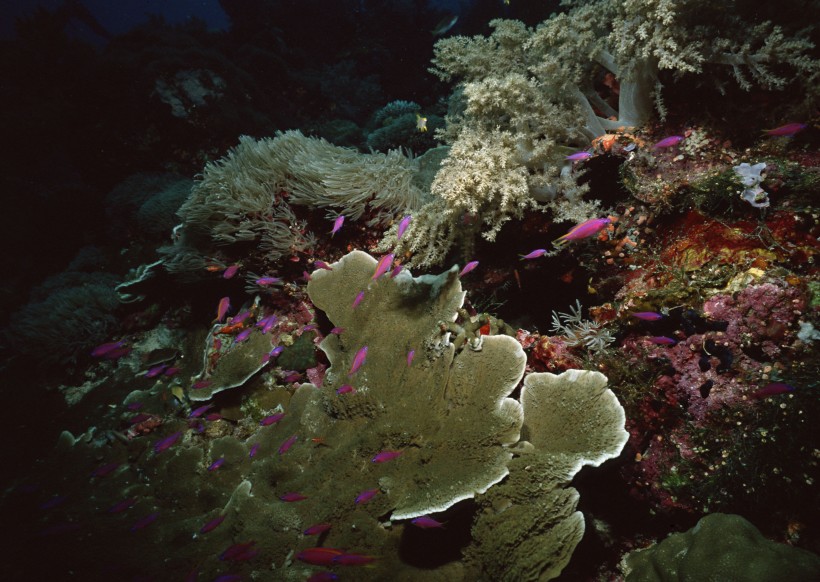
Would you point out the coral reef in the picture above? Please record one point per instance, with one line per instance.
(721, 546)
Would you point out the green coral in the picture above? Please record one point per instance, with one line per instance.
(721, 547)
(529, 527)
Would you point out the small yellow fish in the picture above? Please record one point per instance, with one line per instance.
(421, 123)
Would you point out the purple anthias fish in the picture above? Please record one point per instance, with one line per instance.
(468, 267)
(358, 360)
(322, 265)
(134, 406)
(662, 340)
(410, 355)
(272, 419)
(773, 389)
(240, 317)
(104, 470)
(385, 456)
(274, 353)
(216, 464)
(786, 130)
(200, 384)
(265, 281)
(141, 417)
(103, 349)
(668, 142)
(287, 444)
(586, 229)
(197, 412)
(366, 495)
(405, 222)
(647, 315)
(123, 505)
(426, 522)
(534, 254)
(337, 224)
(358, 299)
(578, 156)
(239, 552)
(383, 265)
(253, 451)
(222, 308)
(213, 417)
(230, 577)
(155, 371)
(345, 389)
(395, 271)
(167, 442)
(212, 525)
(292, 497)
(242, 336)
(145, 521)
(337, 330)
(230, 272)
(317, 529)
(173, 370)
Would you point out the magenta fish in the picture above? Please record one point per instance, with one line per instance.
(426, 522)
(358, 360)
(345, 389)
(534, 254)
(385, 456)
(197, 412)
(662, 340)
(145, 521)
(240, 317)
(134, 406)
(410, 355)
(105, 470)
(292, 497)
(103, 349)
(266, 281)
(366, 495)
(274, 353)
(358, 299)
(383, 265)
(647, 315)
(786, 130)
(253, 451)
(405, 222)
(212, 525)
(141, 417)
(578, 156)
(155, 371)
(668, 142)
(337, 224)
(318, 556)
(272, 419)
(222, 309)
(201, 384)
(395, 271)
(123, 505)
(773, 389)
(242, 336)
(213, 417)
(322, 265)
(239, 552)
(216, 464)
(337, 330)
(287, 444)
(117, 353)
(317, 529)
(353, 560)
(586, 229)
(167, 442)
(308, 328)
(172, 371)
(230, 272)
(468, 267)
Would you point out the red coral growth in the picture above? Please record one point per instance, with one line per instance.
(552, 354)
